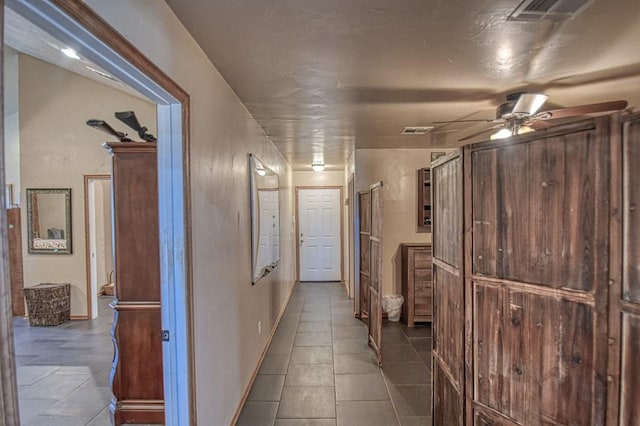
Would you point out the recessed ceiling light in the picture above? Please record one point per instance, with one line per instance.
(70, 53)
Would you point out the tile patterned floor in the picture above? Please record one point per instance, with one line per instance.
(319, 371)
(63, 371)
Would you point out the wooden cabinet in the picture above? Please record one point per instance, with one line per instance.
(136, 378)
(424, 199)
(416, 283)
(528, 262)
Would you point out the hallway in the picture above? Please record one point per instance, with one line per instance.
(319, 371)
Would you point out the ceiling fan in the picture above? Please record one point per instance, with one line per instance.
(520, 114)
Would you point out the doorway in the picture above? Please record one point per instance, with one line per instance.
(319, 219)
(77, 25)
(99, 241)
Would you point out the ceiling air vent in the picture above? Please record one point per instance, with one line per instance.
(548, 10)
(416, 130)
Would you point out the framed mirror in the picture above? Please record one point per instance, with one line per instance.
(265, 219)
(49, 221)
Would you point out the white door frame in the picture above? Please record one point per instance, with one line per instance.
(76, 25)
(92, 295)
(340, 207)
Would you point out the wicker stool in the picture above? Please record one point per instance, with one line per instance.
(48, 303)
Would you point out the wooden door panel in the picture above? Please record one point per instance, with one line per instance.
(365, 211)
(447, 403)
(375, 272)
(630, 370)
(364, 223)
(448, 309)
(535, 356)
(364, 294)
(624, 357)
(448, 292)
(535, 216)
(447, 197)
(631, 200)
(364, 253)
(487, 417)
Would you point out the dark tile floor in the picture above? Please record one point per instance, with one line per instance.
(63, 371)
(319, 370)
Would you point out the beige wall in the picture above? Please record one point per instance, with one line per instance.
(324, 178)
(11, 122)
(57, 148)
(397, 169)
(227, 307)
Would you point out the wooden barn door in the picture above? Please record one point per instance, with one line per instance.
(375, 278)
(364, 216)
(624, 317)
(448, 289)
(539, 255)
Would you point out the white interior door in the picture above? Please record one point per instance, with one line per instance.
(319, 234)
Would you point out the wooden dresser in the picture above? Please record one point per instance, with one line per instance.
(136, 378)
(416, 283)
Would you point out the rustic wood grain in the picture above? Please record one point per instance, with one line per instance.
(466, 248)
(447, 212)
(448, 292)
(375, 277)
(447, 401)
(615, 270)
(16, 276)
(631, 208)
(449, 319)
(417, 289)
(364, 216)
(529, 366)
(624, 320)
(485, 416)
(630, 371)
(536, 203)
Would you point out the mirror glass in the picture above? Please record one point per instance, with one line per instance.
(265, 219)
(49, 221)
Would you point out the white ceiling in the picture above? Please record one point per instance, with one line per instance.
(325, 76)
(25, 37)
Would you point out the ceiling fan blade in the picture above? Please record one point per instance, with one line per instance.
(463, 121)
(580, 110)
(538, 124)
(473, 135)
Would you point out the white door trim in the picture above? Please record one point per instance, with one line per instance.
(297, 189)
(92, 298)
(96, 41)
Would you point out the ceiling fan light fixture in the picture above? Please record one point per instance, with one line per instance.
(503, 133)
(507, 132)
(525, 129)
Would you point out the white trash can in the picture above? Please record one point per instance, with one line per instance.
(392, 305)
